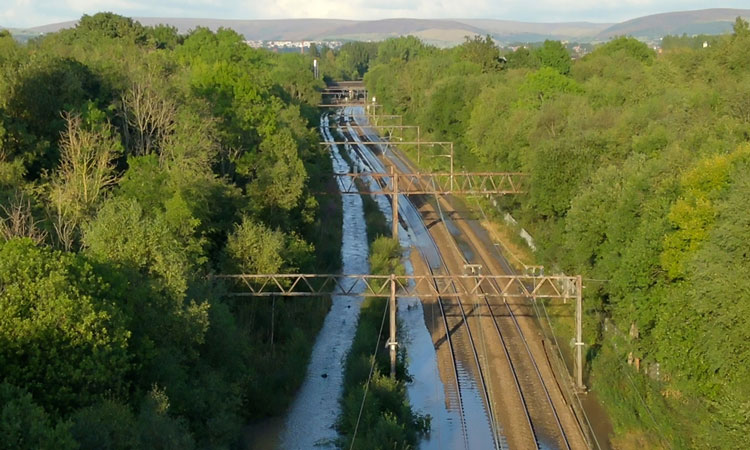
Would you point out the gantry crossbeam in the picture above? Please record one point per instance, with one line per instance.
(389, 130)
(311, 285)
(463, 183)
(387, 143)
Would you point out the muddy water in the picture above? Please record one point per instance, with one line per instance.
(312, 416)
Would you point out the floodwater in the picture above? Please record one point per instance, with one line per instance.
(426, 392)
(310, 422)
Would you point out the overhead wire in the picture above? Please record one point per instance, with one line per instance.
(369, 376)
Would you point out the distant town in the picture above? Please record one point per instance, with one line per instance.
(576, 49)
(293, 46)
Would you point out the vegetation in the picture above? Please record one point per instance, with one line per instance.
(638, 168)
(350, 62)
(375, 413)
(134, 164)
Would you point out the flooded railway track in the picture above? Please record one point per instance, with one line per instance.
(539, 412)
(477, 421)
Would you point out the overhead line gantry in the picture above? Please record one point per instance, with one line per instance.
(393, 286)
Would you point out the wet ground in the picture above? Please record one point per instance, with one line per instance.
(311, 418)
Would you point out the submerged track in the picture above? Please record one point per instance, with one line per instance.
(519, 386)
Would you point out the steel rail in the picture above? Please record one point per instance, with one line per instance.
(503, 343)
(505, 346)
(475, 352)
(531, 357)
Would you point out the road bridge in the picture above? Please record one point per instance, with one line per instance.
(352, 91)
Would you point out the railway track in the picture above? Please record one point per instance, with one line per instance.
(539, 410)
(458, 336)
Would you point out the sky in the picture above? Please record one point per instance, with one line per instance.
(30, 13)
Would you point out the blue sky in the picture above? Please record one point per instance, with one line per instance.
(29, 13)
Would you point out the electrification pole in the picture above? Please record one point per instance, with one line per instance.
(579, 333)
(392, 339)
(394, 203)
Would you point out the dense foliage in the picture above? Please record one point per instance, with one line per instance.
(134, 163)
(638, 168)
(349, 62)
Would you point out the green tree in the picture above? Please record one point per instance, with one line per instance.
(25, 425)
(61, 336)
(107, 424)
(39, 93)
(354, 58)
(482, 51)
(278, 175)
(553, 54)
(545, 85)
(741, 27)
(626, 47)
(254, 248)
(164, 36)
(110, 25)
(522, 57)
(86, 171)
(694, 213)
(400, 49)
(158, 243)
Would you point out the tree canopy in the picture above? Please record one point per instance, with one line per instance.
(636, 167)
(135, 163)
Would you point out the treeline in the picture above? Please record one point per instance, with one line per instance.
(135, 163)
(638, 170)
(349, 62)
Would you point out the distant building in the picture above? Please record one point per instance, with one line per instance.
(292, 46)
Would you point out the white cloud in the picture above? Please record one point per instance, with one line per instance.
(27, 13)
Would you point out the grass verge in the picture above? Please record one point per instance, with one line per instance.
(384, 419)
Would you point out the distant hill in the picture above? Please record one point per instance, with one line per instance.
(446, 32)
(705, 21)
(434, 31)
(21, 35)
(285, 29)
(512, 31)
